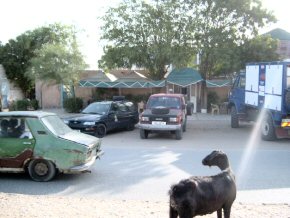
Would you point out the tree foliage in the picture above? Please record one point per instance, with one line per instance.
(260, 48)
(234, 58)
(57, 64)
(224, 25)
(16, 55)
(156, 33)
(149, 35)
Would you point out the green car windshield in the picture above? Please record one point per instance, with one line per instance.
(56, 125)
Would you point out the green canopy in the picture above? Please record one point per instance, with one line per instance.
(184, 77)
(218, 83)
(181, 77)
(122, 84)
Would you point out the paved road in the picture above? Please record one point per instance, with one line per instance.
(144, 169)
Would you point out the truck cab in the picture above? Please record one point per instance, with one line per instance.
(263, 90)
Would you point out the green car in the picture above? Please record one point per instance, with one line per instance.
(41, 144)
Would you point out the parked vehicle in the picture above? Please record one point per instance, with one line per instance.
(263, 87)
(164, 112)
(40, 143)
(98, 118)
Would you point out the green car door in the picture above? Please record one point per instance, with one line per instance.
(16, 143)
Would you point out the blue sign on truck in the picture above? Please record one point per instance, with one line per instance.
(263, 89)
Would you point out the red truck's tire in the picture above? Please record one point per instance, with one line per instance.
(144, 133)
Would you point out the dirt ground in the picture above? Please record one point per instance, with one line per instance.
(17, 205)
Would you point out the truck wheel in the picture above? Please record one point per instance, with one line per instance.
(184, 127)
(143, 134)
(178, 134)
(234, 118)
(101, 130)
(268, 129)
(41, 170)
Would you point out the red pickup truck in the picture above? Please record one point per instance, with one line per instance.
(164, 112)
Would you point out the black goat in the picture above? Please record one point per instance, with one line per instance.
(200, 195)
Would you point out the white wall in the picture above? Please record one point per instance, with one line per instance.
(14, 92)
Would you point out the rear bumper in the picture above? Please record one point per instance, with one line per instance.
(159, 127)
(282, 132)
(84, 167)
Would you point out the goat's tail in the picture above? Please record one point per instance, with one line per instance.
(180, 189)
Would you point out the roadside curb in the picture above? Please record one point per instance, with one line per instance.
(208, 117)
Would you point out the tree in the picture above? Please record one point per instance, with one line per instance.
(163, 32)
(235, 57)
(57, 63)
(225, 24)
(260, 48)
(147, 35)
(15, 55)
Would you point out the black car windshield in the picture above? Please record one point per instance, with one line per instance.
(97, 108)
(164, 101)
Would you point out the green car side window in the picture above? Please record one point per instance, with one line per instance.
(14, 128)
(4, 124)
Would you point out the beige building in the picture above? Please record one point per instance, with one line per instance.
(117, 82)
(283, 38)
(97, 85)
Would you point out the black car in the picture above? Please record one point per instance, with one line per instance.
(98, 118)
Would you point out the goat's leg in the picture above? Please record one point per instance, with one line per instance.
(227, 211)
(172, 213)
(219, 213)
(185, 214)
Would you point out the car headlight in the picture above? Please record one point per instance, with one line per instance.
(173, 119)
(145, 119)
(66, 121)
(89, 123)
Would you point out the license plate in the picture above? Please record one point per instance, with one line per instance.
(158, 123)
(285, 120)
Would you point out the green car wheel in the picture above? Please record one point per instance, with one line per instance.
(41, 170)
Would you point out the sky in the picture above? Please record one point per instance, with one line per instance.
(19, 16)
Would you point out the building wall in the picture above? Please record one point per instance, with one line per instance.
(48, 96)
(222, 92)
(85, 93)
(14, 92)
(51, 95)
(284, 49)
(141, 91)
